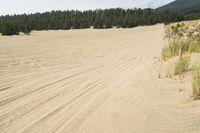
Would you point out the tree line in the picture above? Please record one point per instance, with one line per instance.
(74, 19)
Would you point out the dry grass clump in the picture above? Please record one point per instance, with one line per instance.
(176, 48)
(194, 46)
(181, 66)
(170, 50)
(182, 37)
(196, 82)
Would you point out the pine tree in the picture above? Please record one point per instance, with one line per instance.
(64, 20)
(9, 29)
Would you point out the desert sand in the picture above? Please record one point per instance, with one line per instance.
(91, 81)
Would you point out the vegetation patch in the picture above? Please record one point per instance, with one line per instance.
(196, 82)
(183, 39)
(194, 46)
(9, 29)
(170, 50)
(181, 66)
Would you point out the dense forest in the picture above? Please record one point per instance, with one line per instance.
(189, 8)
(73, 19)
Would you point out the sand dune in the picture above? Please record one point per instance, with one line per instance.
(91, 81)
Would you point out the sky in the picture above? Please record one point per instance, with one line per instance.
(31, 6)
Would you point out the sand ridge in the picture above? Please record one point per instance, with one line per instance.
(90, 81)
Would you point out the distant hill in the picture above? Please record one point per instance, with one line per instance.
(190, 8)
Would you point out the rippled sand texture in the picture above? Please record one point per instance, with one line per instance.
(90, 81)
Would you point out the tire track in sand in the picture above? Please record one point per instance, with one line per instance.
(94, 81)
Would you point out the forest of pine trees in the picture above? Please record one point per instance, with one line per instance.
(73, 19)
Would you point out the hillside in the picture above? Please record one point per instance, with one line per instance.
(190, 8)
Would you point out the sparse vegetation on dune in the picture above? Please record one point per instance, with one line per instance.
(196, 82)
(194, 46)
(181, 65)
(175, 47)
(183, 40)
(170, 50)
(183, 30)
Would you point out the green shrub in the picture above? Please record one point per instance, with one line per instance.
(181, 65)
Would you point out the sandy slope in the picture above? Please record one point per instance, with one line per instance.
(91, 81)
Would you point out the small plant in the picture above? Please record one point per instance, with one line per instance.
(196, 82)
(181, 66)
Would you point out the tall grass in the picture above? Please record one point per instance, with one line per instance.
(176, 47)
(196, 82)
(170, 50)
(188, 36)
(185, 46)
(181, 65)
(194, 46)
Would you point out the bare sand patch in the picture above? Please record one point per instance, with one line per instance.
(91, 81)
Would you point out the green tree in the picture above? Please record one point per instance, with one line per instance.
(64, 20)
(8, 29)
(27, 30)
